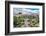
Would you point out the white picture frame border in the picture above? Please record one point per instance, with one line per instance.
(12, 29)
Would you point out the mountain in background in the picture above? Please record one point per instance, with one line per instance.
(26, 12)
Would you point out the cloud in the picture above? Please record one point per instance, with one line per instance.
(25, 10)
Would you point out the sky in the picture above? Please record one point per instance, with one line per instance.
(25, 10)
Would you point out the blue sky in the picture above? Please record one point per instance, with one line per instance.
(26, 10)
(32, 8)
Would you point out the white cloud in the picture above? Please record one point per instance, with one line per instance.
(25, 11)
